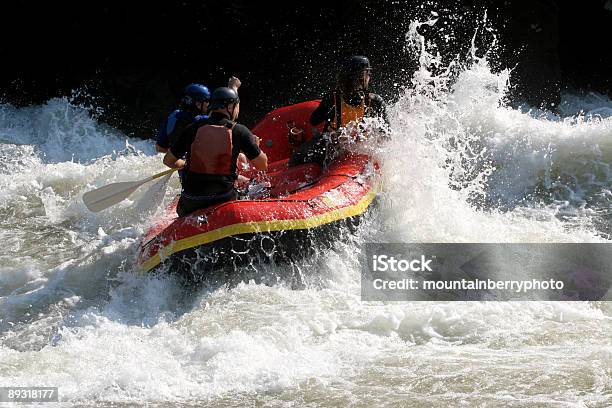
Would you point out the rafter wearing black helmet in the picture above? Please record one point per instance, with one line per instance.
(211, 148)
(351, 99)
(348, 103)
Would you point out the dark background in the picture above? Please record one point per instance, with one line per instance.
(132, 59)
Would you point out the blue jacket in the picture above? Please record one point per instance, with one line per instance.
(176, 122)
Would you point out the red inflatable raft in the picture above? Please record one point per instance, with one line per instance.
(301, 206)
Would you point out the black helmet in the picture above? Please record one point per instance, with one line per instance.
(356, 64)
(221, 97)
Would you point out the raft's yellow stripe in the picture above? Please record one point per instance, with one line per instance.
(260, 226)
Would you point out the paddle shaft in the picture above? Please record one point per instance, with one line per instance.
(158, 175)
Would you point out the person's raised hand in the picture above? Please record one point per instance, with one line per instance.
(234, 83)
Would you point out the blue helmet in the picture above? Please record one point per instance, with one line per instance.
(195, 93)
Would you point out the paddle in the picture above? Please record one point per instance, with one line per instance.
(106, 196)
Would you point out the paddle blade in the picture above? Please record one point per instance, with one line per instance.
(106, 196)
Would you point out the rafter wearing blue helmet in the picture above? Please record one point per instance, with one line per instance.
(193, 106)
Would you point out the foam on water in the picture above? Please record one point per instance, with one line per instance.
(462, 167)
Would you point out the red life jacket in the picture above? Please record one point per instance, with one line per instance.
(211, 150)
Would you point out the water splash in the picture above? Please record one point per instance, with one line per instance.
(475, 164)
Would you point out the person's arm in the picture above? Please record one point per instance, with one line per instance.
(161, 140)
(260, 162)
(242, 162)
(325, 110)
(234, 83)
(171, 161)
(249, 144)
(178, 149)
(379, 108)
